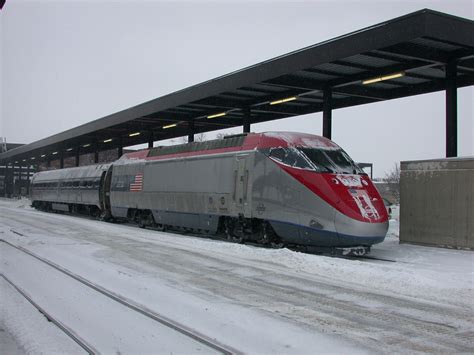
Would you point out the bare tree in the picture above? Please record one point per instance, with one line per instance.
(201, 137)
(392, 179)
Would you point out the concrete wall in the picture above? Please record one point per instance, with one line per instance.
(437, 202)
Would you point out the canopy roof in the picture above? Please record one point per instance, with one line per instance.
(404, 56)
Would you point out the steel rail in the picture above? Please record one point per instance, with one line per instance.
(203, 339)
(71, 334)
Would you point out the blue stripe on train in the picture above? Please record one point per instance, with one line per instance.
(297, 234)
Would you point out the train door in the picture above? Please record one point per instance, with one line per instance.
(104, 190)
(241, 175)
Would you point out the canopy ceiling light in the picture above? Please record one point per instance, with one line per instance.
(134, 134)
(108, 140)
(170, 126)
(217, 115)
(283, 100)
(382, 78)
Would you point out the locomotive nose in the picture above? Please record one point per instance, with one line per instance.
(359, 199)
(361, 217)
(354, 232)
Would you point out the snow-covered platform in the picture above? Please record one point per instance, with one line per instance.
(251, 299)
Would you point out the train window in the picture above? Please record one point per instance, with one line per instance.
(332, 160)
(343, 162)
(96, 184)
(291, 157)
(295, 159)
(75, 184)
(277, 153)
(90, 183)
(319, 159)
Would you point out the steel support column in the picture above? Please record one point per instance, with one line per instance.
(120, 147)
(9, 176)
(96, 152)
(20, 180)
(150, 140)
(78, 155)
(28, 180)
(327, 113)
(451, 111)
(191, 130)
(246, 120)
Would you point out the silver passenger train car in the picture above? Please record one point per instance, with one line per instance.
(70, 190)
(274, 187)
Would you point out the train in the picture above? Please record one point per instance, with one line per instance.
(271, 188)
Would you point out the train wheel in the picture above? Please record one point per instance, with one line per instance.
(229, 228)
(144, 219)
(268, 236)
(140, 219)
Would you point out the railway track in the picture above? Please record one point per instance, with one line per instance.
(208, 342)
(66, 330)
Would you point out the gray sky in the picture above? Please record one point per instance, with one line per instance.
(64, 63)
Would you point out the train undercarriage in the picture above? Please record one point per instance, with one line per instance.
(234, 229)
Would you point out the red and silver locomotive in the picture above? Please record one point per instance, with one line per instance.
(276, 187)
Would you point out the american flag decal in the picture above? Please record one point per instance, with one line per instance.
(137, 184)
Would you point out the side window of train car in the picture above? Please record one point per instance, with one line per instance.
(277, 153)
(96, 184)
(290, 157)
(75, 184)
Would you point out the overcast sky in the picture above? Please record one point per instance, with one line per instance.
(64, 63)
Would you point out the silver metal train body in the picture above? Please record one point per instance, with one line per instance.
(290, 188)
(72, 189)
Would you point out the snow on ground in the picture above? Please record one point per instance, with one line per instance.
(266, 300)
(36, 334)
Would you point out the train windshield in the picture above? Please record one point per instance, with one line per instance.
(316, 159)
(331, 160)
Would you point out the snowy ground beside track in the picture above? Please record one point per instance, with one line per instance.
(254, 299)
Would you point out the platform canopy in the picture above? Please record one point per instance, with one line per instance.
(422, 52)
